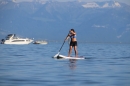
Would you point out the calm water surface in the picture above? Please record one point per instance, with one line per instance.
(33, 65)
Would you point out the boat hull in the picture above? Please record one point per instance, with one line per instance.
(19, 43)
(40, 42)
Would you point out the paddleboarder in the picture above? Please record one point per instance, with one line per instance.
(73, 42)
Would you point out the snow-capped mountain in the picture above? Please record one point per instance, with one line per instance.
(105, 5)
(94, 21)
(4, 2)
(38, 1)
(91, 5)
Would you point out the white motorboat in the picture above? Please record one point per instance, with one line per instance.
(13, 39)
(40, 42)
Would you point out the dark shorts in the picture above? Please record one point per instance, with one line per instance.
(73, 43)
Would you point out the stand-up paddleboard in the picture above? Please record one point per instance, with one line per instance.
(57, 56)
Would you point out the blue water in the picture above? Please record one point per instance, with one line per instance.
(33, 65)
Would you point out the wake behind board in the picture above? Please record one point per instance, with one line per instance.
(65, 57)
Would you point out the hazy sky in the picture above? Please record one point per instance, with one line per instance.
(124, 1)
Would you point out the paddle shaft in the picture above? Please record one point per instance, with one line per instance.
(62, 45)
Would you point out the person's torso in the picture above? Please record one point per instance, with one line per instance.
(73, 38)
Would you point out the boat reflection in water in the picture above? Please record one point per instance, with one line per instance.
(13, 39)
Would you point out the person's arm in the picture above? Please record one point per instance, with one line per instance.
(67, 37)
(73, 33)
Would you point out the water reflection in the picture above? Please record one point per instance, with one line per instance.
(72, 64)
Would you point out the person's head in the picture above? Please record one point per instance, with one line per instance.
(72, 30)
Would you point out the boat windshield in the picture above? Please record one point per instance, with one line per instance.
(8, 36)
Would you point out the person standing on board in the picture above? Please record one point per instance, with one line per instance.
(73, 42)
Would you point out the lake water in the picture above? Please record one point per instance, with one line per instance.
(33, 65)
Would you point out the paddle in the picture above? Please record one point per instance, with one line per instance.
(61, 46)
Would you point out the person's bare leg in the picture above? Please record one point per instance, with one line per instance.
(76, 52)
(70, 50)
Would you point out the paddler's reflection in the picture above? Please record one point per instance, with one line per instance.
(72, 64)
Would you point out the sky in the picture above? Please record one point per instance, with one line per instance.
(124, 1)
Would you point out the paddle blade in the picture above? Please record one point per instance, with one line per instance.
(56, 55)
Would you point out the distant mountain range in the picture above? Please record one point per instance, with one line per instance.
(93, 21)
